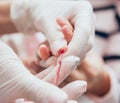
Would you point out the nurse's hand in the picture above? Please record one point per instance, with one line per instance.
(40, 16)
(91, 69)
(17, 82)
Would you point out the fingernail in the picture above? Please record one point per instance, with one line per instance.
(71, 61)
(82, 85)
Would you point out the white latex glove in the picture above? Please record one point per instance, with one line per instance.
(17, 82)
(40, 15)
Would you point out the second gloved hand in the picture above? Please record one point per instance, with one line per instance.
(17, 82)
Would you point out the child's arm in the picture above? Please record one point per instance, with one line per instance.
(6, 25)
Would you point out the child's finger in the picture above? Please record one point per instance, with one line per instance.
(67, 32)
(61, 22)
(43, 52)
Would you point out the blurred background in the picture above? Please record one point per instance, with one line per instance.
(107, 39)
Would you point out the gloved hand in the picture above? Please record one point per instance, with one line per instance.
(91, 69)
(40, 16)
(17, 82)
